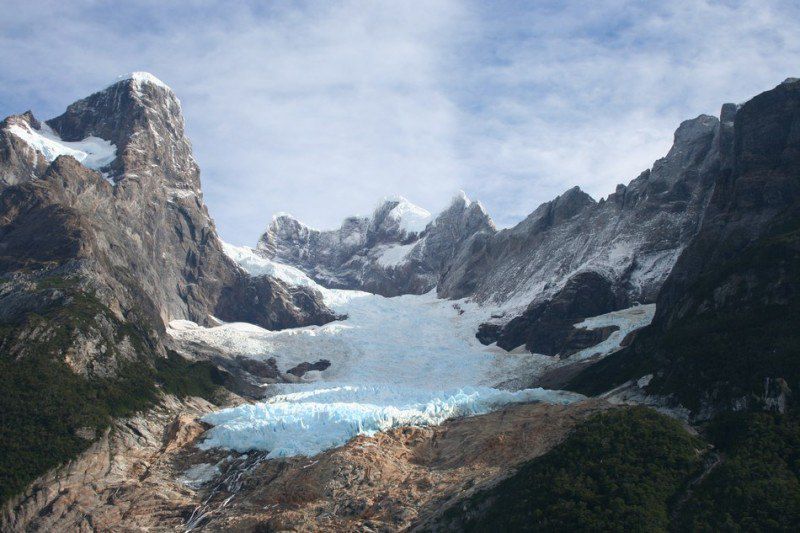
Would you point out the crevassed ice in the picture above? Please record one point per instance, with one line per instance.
(312, 419)
(91, 152)
(411, 359)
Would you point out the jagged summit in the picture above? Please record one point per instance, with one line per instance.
(401, 248)
(129, 128)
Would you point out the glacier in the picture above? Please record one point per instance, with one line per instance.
(310, 419)
(405, 360)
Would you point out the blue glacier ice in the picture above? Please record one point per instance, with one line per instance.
(313, 418)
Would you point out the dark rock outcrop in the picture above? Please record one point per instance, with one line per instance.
(301, 369)
(547, 327)
(726, 320)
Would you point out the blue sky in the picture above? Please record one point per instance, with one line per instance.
(322, 108)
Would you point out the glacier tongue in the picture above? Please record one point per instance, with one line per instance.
(407, 360)
(311, 419)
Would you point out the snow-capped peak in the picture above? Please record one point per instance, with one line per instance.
(410, 217)
(283, 215)
(461, 196)
(140, 78)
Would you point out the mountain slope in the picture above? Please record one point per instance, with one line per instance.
(570, 259)
(104, 238)
(725, 334)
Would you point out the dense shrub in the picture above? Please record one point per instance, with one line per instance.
(616, 472)
(49, 414)
(756, 486)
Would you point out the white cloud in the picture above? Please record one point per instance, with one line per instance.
(321, 108)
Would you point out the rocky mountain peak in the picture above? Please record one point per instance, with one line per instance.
(142, 118)
(561, 208)
(401, 248)
(151, 226)
(396, 218)
(692, 130)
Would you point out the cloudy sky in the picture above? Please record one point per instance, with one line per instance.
(322, 108)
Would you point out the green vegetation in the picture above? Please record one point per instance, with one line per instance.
(49, 414)
(182, 378)
(632, 469)
(756, 487)
(618, 471)
(45, 405)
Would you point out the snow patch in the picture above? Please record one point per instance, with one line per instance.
(394, 255)
(627, 320)
(91, 152)
(258, 265)
(311, 419)
(198, 475)
(410, 218)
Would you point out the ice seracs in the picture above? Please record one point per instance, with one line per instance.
(306, 420)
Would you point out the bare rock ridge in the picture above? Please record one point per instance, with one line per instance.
(103, 205)
(621, 247)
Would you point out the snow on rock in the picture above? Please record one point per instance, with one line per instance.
(309, 420)
(92, 152)
(198, 475)
(410, 218)
(139, 78)
(394, 255)
(258, 265)
(627, 320)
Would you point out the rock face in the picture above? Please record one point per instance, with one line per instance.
(632, 238)
(126, 225)
(572, 258)
(726, 328)
(400, 249)
(547, 328)
(104, 239)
